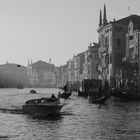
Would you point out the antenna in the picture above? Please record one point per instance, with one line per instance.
(50, 60)
(128, 11)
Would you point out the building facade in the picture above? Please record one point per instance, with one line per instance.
(63, 76)
(73, 67)
(112, 46)
(133, 48)
(41, 74)
(81, 61)
(90, 67)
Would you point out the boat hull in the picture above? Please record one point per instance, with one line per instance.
(127, 96)
(65, 95)
(33, 91)
(82, 94)
(42, 109)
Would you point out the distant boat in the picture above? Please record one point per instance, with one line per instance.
(33, 91)
(20, 86)
(42, 106)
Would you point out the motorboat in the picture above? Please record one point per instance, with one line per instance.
(33, 91)
(20, 86)
(42, 106)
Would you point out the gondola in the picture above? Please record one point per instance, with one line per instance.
(64, 95)
(125, 95)
(99, 100)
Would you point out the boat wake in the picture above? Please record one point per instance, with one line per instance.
(11, 111)
(47, 117)
(66, 113)
(59, 116)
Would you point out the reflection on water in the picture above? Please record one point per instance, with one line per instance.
(78, 119)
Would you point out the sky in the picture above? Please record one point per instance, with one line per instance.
(56, 29)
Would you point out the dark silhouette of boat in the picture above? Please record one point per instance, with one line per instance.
(42, 106)
(125, 95)
(64, 95)
(99, 100)
(20, 86)
(89, 86)
(33, 91)
(82, 94)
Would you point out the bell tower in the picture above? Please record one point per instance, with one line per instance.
(100, 19)
(104, 18)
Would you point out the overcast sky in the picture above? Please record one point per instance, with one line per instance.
(56, 29)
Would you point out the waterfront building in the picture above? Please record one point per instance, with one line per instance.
(112, 45)
(90, 67)
(12, 75)
(63, 76)
(57, 76)
(73, 69)
(81, 61)
(105, 47)
(132, 58)
(41, 74)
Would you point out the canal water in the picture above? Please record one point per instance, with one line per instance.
(78, 120)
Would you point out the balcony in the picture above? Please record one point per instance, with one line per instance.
(103, 49)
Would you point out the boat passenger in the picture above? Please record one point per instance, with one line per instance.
(53, 96)
(106, 86)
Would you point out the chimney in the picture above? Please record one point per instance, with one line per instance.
(28, 62)
(50, 60)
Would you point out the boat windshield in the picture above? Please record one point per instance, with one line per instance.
(42, 100)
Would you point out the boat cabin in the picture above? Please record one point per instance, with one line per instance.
(42, 100)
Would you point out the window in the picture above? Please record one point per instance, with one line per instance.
(107, 71)
(96, 56)
(118, 42)
(118, 57)
(96, 67)
(110, 71)
(110, 59)
(131, 37)
(118, 29)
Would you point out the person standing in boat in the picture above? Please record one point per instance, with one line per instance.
(100, 90)
(135, 85)
(65, 88)
(106, 87)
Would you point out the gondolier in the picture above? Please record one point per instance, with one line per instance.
(65, 88)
